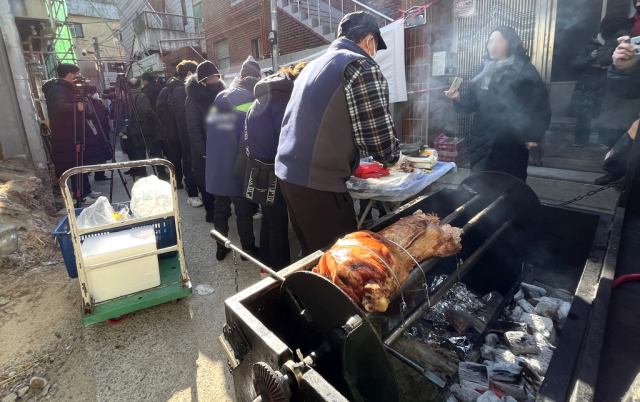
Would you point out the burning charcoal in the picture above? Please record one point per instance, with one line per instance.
(516, 313)
(562, 294)
(505, 355)
(519, 295)
(488, 396)
(488, 352)
(563, 312)
(504, 372)
(521, 343)
(540, 324)
(458, 321)
(507, 398)
(539, 362)
(526, 306)
(473, 375)
(515, 390)
(491, 340)
(548, 307)
(504, 326)
(464, 394)
(530, 375)
(532, 291)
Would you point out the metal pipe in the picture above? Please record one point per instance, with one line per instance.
(483, 213)
(373, 10)
(451, 280)
(426, 265)
(319, 22)
(426, 373)
(227, 243)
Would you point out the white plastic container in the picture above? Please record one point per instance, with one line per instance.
(124, 278)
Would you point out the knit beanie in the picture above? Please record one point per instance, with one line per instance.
(250, 68)
(206, 69)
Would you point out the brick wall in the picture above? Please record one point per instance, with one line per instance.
(248, 20)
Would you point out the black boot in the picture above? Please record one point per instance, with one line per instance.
(100, 176)
(604, 180)
(221, 252)
(209, 217)
(252, 251)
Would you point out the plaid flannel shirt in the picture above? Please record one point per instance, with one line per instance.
(368, 101)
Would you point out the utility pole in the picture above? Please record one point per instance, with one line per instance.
(273, 37)
(96, 47)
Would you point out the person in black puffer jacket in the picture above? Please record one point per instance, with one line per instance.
(63, 109)
(152, 89)
(168, 133)
(511, 107)
(202, 89)
(264, 122)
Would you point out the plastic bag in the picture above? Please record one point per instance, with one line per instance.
(397, 187)
(98, 214)
(151, 196)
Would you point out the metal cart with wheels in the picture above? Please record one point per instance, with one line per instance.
(175, 282)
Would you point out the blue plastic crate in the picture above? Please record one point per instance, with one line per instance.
(165, 237)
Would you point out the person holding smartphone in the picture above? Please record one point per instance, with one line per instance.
(511, 107)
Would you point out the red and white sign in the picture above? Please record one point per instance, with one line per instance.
(464, 8)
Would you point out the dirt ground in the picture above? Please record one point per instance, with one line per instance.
(164, 353)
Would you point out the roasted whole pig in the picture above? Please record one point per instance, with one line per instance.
(354, 262)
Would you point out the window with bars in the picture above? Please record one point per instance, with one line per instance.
(222, 54)
(76, 30)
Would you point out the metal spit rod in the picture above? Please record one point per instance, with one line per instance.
(426, 265)
(447, 284)
(227, 243)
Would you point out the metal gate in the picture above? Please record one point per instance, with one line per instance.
(534, 20)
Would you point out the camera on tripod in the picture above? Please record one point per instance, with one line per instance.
(79, 85)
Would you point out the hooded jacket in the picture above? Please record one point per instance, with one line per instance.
(62, 108)
(264, 118)
(199, 101)
(152, 90)
(513, 111)
(169, 130)
(225, 128)
(142, 119)
(177, 102)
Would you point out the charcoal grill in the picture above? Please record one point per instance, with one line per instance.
(304, 339)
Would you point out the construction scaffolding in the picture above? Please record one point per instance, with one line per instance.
(61, 46)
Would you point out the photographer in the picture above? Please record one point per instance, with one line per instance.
(64, 109)
(623, 82)
(140, 129)
(152, 89)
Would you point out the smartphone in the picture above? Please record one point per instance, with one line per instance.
(635, 42)
(456, 84)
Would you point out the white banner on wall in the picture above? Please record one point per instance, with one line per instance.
(464, 8)
(391, 60)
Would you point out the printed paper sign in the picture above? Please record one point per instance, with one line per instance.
(464, 8)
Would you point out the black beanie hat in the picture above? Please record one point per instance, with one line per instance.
(250, 68)
(205, 70)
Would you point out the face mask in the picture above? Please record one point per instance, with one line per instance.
(375, 51)
(212, 87)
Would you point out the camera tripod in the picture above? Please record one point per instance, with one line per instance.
(80, 97)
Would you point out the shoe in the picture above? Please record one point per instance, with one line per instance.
(221, 252)
(580, 144)
(604, 180)
(252, 251)
(209, 217)
(87, 201)
(603, 146)
(194, 202)
(257, 216)
(94, 194)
